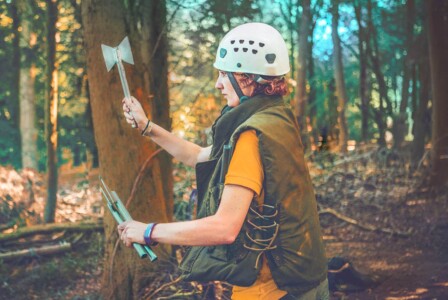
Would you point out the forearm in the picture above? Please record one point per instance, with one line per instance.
(184, 151)
(221, 228)
(202, 232)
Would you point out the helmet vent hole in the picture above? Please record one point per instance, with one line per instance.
(261, 44)
(245, 49)
(251, 42)
(241, 41)
(254, 51)
(270, 58)
(232, 42)
(238, 65)
(235, 49)
(222, 52)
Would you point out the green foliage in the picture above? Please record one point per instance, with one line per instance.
(9, 133)
(194, 29)
(74, 124)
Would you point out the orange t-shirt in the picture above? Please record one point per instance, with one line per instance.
(245, 169)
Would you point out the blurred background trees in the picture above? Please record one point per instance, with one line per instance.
(372, 71)
(365, 73)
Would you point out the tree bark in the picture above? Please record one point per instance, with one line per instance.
(300, 106)
(155, 55)
(26, 86)
(121, 149)
(340, 79)
(51, 113)
(438, 49)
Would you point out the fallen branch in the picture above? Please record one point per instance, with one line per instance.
(31, 252)
(7, 226)
(177, 280)
(50, 228)
(349, 159)
(360, 225)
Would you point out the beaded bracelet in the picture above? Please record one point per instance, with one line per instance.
(147, 234)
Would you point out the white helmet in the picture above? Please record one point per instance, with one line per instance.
(254, 48)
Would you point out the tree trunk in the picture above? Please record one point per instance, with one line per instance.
(14, 99)
(121, 149)
(373, 54)
(26, 87)
(51, 113)
(340, 80)
(400, 124)
(312, 111)
(301, 92)
(155, 55)
(438, 49)
(420, 128)
(363, 80)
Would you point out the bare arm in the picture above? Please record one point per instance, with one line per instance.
(187, 152)
(221, 228)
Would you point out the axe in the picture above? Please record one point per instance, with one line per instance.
(121, 214)
(114, 55)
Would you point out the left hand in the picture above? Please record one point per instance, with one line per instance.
(132, 232)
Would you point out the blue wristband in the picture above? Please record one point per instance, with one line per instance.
(147, 235)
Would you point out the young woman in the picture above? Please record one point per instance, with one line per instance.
(257, 225)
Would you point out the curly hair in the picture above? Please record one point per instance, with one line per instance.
(274, 85)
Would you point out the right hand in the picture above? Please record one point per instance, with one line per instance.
(134, 113)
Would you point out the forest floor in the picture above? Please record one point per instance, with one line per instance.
(375, 213)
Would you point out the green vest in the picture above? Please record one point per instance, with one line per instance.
(286, 229)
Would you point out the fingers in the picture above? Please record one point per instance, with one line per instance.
(126, 107)
(129, 101)
(123, 231)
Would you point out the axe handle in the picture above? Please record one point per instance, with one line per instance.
(124, 83)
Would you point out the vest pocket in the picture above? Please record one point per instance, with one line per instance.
(200, 265)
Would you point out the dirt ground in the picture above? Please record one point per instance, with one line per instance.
(404, 267)
(390, 226)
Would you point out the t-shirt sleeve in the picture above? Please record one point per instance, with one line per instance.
(245, 168)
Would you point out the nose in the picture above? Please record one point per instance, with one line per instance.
(218, 84)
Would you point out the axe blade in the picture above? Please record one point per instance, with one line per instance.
(125, 51)
(109, 56)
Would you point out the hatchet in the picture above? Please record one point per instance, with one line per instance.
(115, 55)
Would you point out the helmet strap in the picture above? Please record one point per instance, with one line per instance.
(236, 87)
(260, 79)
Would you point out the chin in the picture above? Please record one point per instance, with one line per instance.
(233, 103)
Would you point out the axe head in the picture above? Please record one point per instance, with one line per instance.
(111, 55)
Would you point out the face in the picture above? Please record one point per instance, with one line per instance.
(225, 86)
